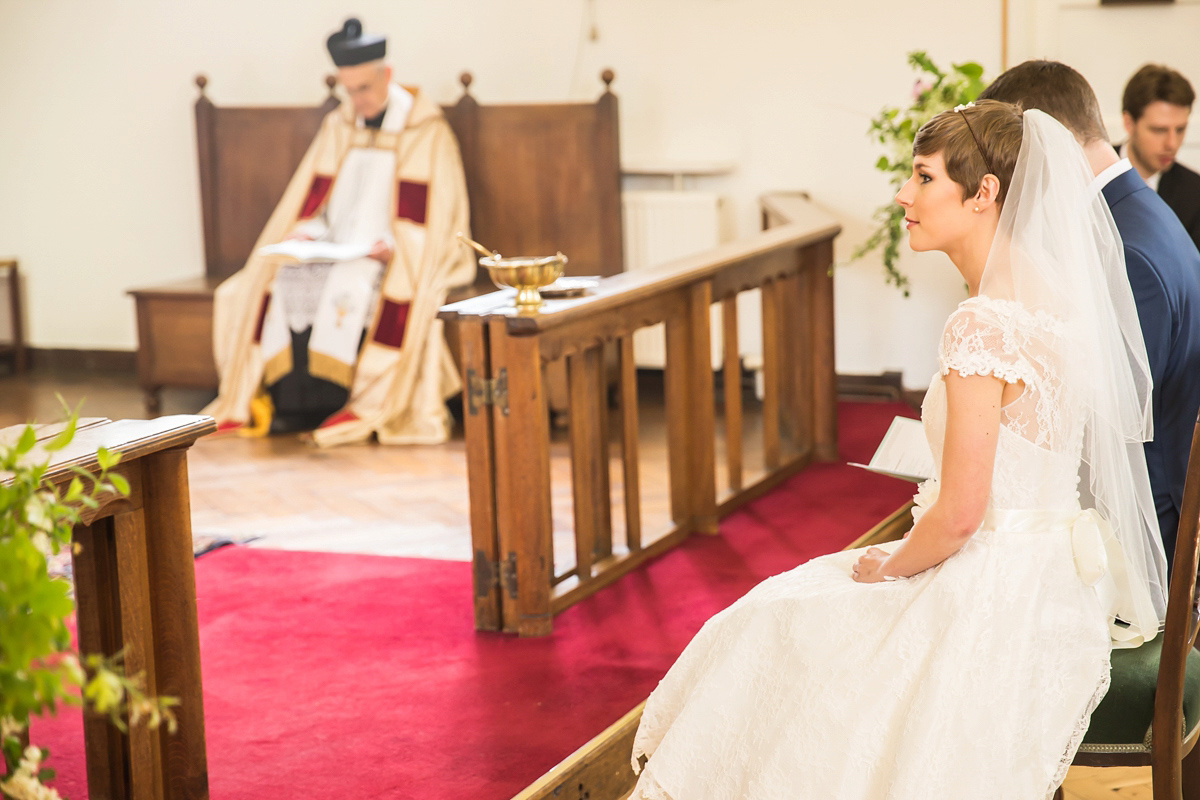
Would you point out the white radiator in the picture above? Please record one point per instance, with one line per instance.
(661, 226)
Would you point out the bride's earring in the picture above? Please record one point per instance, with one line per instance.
(976, 208)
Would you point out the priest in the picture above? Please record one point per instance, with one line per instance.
(342, 334)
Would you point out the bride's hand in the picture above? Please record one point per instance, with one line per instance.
(869, 568)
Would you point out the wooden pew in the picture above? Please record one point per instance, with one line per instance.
(135, 592)
(506, 421)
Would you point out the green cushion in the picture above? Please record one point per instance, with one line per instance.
(1124, 716)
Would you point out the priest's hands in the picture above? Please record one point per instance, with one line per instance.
(869, 568)
(381, 252)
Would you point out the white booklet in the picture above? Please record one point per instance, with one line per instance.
(305, 250)
(904, 452)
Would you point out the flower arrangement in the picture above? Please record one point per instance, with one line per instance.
(39, 668)
(934, 91)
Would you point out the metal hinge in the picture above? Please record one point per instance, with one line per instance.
(487, 392)
(491, 575)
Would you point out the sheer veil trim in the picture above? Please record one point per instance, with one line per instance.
(1057, 251)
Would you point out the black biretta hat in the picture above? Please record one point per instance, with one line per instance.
(349, 46)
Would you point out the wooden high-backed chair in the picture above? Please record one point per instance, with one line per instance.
(246, 155)
(544, 178)
(1151, 714)
(540, 178)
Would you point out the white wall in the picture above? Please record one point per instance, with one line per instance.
(98, 186)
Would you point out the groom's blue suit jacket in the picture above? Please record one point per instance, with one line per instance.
(1164, 271)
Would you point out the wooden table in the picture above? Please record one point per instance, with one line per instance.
(135, 590)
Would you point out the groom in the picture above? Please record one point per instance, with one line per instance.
(1163, 267)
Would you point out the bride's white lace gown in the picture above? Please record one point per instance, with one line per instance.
(973, 680)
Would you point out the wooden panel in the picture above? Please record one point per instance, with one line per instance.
(170, 561)
(544, 178)
(98, 616)
(523, 482)
(481, 485)
(129, 530)
(181, 333)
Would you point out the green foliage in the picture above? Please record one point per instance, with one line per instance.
(934, 91)
(39, 669)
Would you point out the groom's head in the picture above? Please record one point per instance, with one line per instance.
(1056, 89)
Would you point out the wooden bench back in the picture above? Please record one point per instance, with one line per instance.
(544, 178)
(247, 156)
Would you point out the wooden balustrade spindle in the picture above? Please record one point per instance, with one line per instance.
(733, 392)
(675, 379)
(824, 397)
(803, 332)
(629, 445)
(771, 368)
(589, 458)
(702, 415)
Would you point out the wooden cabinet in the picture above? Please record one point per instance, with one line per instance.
(175, 337)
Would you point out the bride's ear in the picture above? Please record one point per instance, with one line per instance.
(988, 194)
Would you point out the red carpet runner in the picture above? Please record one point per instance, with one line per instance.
(361, 676)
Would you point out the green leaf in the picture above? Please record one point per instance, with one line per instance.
(882, 164)
(120, 484)
(26, 442)
(65, 436)
(969, 69)
(74, 490)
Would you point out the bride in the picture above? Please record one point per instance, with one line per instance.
(965, 661)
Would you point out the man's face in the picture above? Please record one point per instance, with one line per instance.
(367, 85)
(1155, 138)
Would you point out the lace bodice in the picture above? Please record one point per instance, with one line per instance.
(1041, 431)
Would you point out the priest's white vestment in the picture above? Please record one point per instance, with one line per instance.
(403, 184)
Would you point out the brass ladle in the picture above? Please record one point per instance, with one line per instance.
(469, 242)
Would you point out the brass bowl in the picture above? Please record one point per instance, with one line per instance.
(526, 275)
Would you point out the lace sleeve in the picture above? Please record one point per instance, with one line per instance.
(982, 337)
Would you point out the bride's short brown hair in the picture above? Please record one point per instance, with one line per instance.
(983, 138)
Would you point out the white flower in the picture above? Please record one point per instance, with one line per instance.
(24, 785)
(959, 108)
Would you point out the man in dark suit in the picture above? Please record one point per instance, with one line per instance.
(1163, 266)
(1156, 106)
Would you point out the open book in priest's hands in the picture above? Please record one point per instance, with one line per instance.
(308, 250)
(904, 452)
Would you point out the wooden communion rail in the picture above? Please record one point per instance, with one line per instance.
(504, 355)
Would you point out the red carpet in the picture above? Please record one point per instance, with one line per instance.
(361, 676)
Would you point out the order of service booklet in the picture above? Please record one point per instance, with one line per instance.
(904, 452)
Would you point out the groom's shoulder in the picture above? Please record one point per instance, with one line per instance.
(1148, 226)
